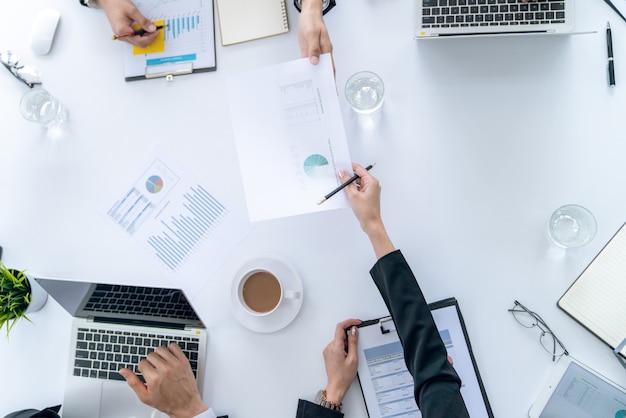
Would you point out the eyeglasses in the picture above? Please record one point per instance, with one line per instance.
(548, 340)
(27, 74)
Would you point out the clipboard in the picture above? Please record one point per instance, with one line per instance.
(186, 44)
(387, 385)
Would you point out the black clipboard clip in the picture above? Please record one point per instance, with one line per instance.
(382, 321)
(386, 324)
(391, 326)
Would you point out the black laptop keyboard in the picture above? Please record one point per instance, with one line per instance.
(480, 13)
(100, 353)
(145, 301)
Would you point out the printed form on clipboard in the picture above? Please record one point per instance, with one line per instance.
(185, 45)
(385, 381)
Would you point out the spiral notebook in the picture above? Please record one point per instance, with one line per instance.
(245, 20)
(597, 299)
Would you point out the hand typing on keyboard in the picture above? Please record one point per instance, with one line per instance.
(170, 383)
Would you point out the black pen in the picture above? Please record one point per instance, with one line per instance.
(136, 32)
(341, 186)
(609, 45)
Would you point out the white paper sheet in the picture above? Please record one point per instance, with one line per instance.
(184, 228)
(290, 138)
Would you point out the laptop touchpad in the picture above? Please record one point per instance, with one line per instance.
(82, 398)
(119, 401)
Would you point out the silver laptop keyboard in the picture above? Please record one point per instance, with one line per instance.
(101, 353)
(480, 13)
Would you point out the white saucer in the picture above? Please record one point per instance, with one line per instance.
(289, 308)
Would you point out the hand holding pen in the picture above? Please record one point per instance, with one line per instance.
(343, 185)
(137, 32)
(363, 193)
(122, 14)
(364, 197)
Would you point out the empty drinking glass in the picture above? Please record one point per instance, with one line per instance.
(37, 105)
(365, 92)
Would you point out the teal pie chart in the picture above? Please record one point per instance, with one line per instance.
(154, 184)
(316, 166)
(621, 413)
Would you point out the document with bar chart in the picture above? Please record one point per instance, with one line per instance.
(176, 220)
(185, 45)
(290, 138)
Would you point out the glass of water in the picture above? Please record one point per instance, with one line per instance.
(572, 226)
(365, 92)
(37, 105)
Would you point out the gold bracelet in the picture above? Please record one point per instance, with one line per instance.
(328, 404)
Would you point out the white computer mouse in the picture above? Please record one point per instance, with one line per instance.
(44, 28)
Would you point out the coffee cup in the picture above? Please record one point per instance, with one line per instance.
(260, 292)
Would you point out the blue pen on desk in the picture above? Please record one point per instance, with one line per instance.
(609, 45)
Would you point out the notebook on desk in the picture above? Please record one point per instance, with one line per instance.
(597, 299)
(116, 326)
(246, 20)
(458, 18)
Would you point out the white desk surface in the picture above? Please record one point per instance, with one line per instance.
(479, 140)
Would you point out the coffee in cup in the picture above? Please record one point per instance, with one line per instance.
(261, 292)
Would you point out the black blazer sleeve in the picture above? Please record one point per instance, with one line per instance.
(308, 409)
(437, 386)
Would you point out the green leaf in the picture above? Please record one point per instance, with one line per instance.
(15, 297)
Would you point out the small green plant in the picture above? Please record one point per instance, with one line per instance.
(15, 296)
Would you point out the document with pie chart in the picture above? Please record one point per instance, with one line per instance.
(183, 226)
(290, 138)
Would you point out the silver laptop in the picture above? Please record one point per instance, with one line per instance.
(455, 18)
(117, 326)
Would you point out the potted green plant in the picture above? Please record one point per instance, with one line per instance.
(18, 296)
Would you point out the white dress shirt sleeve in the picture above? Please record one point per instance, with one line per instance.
(207, 414)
